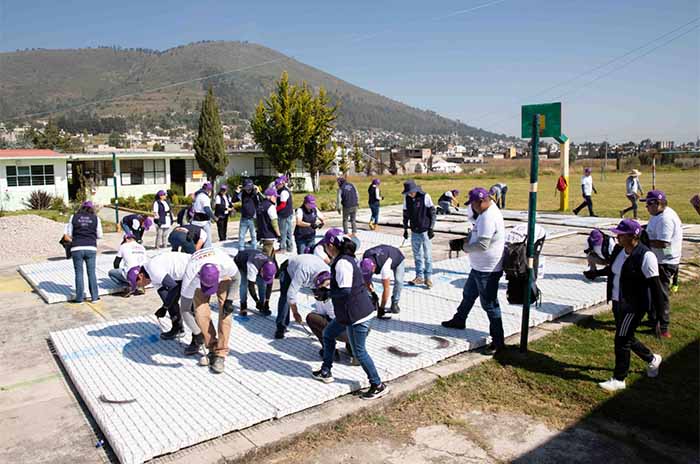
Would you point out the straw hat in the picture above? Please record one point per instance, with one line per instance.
(635, 173)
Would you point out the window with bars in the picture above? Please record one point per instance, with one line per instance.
(142, 172)
(100, 172)
(154, 171)
(24, 176)
(263, 167)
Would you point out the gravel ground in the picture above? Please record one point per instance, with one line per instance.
(36, 238)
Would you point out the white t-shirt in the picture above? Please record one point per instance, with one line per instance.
(449, 195)
(385, 272)
(587, 183)
(284, 195)
(325, 308)
(201, 201)
(300, 214)
(650, 268)
(165, 204)
(488, 224)
(427, 201)
(377, 196)
(272, 211)
(598, 249)
(667, 227)
(172, 263)
(190, 281)
(132, 254)
(251, 272)
(321, 253)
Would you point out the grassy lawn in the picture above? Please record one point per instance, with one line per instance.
(556, 382)
(678, 184)
(107, 226)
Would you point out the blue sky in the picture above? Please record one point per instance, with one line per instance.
(478, 66)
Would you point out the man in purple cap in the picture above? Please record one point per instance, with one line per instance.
(498, 193)
(374, 199)
(255, 267)
(223, 205)
(130, 254)
(598, 253)
(82, 231)
(250, 198)
(666, 240)
(268, 222)
(211, 271)
(587, 191)
(633, 287)
(285, 213)
(347, 200)
(309, 219)
(485, 247)
(318, 249)
(448, 202)
(419, 214)
(203, 215)
(163, 217)
(389, 263)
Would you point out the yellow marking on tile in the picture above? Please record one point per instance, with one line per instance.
(14, 285)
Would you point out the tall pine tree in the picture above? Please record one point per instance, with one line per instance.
(209, 148)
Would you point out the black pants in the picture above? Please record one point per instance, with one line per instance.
(586, 202)
(504, 191)
(633, 208)
(666, 274)
(174, 307)
(625, 325)
(222, 227)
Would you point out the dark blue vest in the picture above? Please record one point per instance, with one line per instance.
(162, 213)
(348, 195)
(264, 222)
(359, 304)
(418, 214)
(372, 192)
(288, 209)
(128, 220)
(84, 230)
(635, 293)
(381, 253)
(220, 209)
(256, 257)
(249, 204)
(444, 197)
(306, 233)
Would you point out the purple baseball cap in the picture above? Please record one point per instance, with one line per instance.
(455, 192)
(209, 279)
(147, 223)
(270, 192)
(310, 200)
(133, 275)
(587, 170)
(280, 180)
(223, 187)
(268, 272)
(627, 227)
(477, 194)
(655, 195)
(330, 233)
(340, 180)
(376, 181)
(247, 183)
(160, 192)
(321, 277)
(206, 186)
(88, 204)
(596, 237)
(367, 266)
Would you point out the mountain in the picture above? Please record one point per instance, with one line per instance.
(40, 80)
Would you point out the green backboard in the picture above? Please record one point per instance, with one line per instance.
(550, 119)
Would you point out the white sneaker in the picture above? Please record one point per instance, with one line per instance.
(653, 366)
(612, 385)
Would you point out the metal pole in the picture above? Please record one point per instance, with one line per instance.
(116, 196)
(531, 220)
(564, 154)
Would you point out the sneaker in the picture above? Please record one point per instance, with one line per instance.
(575, 211)
(428, 284)
(375, 392)
(622, 213)
(195, 345)
(383, 314)
(416, 281)
(174, 332)
(139, 291)
(665, 334)
(395, 308)
(674, 288)
(218, 365)
(653, 366)
(454, 324)
(322, 376)
(492, 349)
(612, 385)
(265, 310)
(243, 311)
(207, 359)
(127, 294)
(279, 333)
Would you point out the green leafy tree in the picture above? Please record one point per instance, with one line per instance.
(319, 153)
(344, 165)
(52, 139)
(116, 140)
(209, 149)
(358, 158)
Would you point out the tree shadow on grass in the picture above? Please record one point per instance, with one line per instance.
(544, 364)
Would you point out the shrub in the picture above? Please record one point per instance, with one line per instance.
(327, 205)
(39, 199)
(58, 204)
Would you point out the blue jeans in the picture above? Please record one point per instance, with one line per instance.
(357, 337)
(483, 285)
(398, 282)
(303, 244)
(262, 287)
(119, 277)
(287, 233)
(282, 305)
(374, 208)
(89, 257)
(246, 224)
(422, 254)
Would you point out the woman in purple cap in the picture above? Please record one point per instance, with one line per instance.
(82, 231)
(598, 253)
(223, 205)
(587, 191)
(162, 212)
(285, 213)
(374, 198)
(309, 218)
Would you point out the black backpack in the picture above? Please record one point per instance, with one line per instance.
(515, 268)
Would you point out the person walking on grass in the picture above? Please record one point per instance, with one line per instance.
(223, 205)
(249, 196)
(485, 247)
(130, 254)
(666, 242)
(374, 198)
(353, 309)
(347, 201)
(419, 215)
(633, 192)
(163, 217)
(633, 287)
(587, 191)
(82, 231)
(285, 213)
(308, 220)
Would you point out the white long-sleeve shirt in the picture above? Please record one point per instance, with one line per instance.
(224, 263)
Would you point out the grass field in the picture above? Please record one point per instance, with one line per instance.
(678, 184)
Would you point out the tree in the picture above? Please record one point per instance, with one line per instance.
(344, 162)
(319, 154)
(116, 140)
(358, 158)
(209, 147)
(52, 139)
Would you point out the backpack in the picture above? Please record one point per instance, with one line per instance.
(561, 184)
(515, 292)
(515, 269)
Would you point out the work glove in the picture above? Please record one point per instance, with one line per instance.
(228, 308)
(405, 234)
(431, 234)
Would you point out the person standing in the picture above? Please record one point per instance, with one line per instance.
(222, 209)
(353, 311)
(162, 212)
(130, 254)
(347, 201)
(203, 214)
(211, 271)
(136, 224)
(308, 220)
(498, 193)
(587, 190)
(666, 242)
(187, 239)
(255, 267)
(374, 199)
(83, 230)
(267, 222)
(285, 213)
(389, 263)
(448, 201)
(419, 215)
(249, 197)
(485, 248)
(633, 287)
(634, 192)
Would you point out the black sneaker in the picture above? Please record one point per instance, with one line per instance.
(375, 392)
(492, 349)
(454, 324)
(174, 332)
(322, 376)
(195, 345)
(279, 333)
(243, 311)
(383, 314)
(395, 308)
(265, 309)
